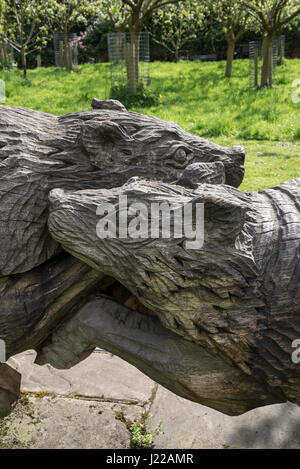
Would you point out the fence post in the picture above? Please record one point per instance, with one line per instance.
(271, 66)
(61, 54)
(256, 66)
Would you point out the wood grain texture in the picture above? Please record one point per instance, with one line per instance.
(34, 303)
(237, 297)
(182, 366)
(223, 316)
(94, 149)
(10, 382)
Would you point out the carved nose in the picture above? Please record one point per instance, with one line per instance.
(56, 196)
(238, 153)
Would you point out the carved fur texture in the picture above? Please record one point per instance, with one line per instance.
(214, 324)
(237, 296)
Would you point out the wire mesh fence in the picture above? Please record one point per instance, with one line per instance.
(256, 54)
(129, 57)
(281, 49)
(65, 50)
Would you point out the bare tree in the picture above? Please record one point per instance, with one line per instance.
(178, 24)
(234, 19)
(271, 16)
(29, 24)
(132, 15)
(68, 13)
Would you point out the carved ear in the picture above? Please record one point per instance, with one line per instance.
(110, 104)
(224, 216)
(95, 134)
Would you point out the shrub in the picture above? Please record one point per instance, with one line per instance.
(143, 97)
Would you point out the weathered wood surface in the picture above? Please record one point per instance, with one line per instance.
(203, 173)
(180, 365)
(237, 297)
(10, 382)
(39, 152)
(32, 304)
(85, 150)
(223, 317)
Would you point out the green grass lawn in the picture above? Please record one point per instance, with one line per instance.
(199, 98)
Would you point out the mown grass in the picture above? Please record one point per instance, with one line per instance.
(57, 91)
(199, 98)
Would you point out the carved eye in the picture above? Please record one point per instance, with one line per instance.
(180, 155)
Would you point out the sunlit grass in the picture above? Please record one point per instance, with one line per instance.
(196, 96)
(57, 91)
(202, 100)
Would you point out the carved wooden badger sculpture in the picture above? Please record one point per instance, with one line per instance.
(225, 315)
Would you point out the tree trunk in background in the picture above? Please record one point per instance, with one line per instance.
(65, 49)
(137, 54)
(256, 54)
(6, 62)
(266, 71)
(70, 57)
(132, 61)
(229, 57)
(3, 54)
(130, 67)
(67, 52)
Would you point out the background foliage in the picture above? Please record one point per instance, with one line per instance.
(209, 39)
(199, 98)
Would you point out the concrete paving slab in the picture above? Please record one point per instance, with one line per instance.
(188, 425)
(61, 423)
(85, 401)
(101, 376)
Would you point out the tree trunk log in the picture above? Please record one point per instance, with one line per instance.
(224, 314)
(24, 62)
(267, 71)
(3, 54)
(229, 57)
